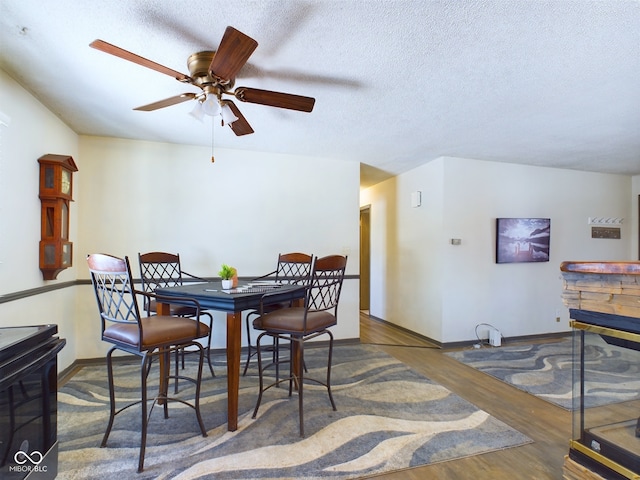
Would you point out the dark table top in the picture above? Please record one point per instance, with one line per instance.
(211, 296)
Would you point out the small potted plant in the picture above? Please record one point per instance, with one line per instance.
(229, 276)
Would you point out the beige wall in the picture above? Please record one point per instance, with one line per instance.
(444, 291)
(419, 280)
(243, 210)
(33, 131)
(634, 222)
(137, 196)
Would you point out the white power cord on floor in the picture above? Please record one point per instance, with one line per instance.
(495, 337)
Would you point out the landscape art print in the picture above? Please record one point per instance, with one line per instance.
(522, 240)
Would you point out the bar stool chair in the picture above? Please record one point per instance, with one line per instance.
(301, 324)
(161, 270)
(292, 268)
(145, 337)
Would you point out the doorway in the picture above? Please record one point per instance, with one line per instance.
(365, 258)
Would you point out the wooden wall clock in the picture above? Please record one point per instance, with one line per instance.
(56, 193)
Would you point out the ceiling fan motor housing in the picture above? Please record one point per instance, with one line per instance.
(198, 65)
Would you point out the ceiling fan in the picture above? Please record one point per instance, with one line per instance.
(214, 73)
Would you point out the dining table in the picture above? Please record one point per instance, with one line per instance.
(211, 296)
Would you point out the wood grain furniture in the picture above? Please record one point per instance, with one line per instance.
(233, 302)
(56, 195)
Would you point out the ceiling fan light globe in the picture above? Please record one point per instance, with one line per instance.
(197, 112)
(211, 106)
(227, 115)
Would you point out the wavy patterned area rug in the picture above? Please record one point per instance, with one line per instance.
(389, 417)
(612, 374)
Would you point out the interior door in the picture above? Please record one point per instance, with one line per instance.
(365, 257)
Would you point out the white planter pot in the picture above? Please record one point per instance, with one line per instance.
(227, 284)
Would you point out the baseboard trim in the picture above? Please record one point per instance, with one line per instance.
(507, 340)
(469, 343)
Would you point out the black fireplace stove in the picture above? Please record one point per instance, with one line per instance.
(28, 402)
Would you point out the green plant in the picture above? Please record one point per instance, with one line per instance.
(226, 272)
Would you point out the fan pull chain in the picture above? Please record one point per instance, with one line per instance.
(213, 127)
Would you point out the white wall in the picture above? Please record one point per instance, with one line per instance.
(33, 131)
(419, 280)
(243, 210)
(134, 196)
(455, 288)
(634, 223)
(406, 259)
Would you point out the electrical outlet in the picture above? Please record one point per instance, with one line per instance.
(558, 319)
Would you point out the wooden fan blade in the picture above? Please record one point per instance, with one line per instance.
(167, 102)
(234, 51)
(132, 57)
(240, 126)
(275, 99)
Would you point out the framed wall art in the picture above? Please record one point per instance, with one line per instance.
(521, 240)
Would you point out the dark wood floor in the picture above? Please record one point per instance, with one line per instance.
(547, 425)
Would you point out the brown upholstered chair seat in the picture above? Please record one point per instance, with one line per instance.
(162, 270)
(157, 331)
(297, 325)
(292, 268)
(291, 321)
(122, 325)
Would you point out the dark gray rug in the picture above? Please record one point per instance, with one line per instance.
(612, 374)
(388, 418)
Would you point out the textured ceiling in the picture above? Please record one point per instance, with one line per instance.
(397, 83)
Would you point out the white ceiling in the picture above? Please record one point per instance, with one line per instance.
(397, 83)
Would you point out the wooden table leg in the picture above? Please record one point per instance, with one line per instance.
(297, 364)
(234, 335)
(165, 360)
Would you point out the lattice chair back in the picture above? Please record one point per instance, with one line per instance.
(298, 325)
(326, 284)
(294, 268)
(113, 286)
(159, 270)
(145, 337)
(163, 270)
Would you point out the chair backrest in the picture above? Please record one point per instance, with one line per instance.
(159, 270)
(113, 286)
(294, 268)
(326, 283)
